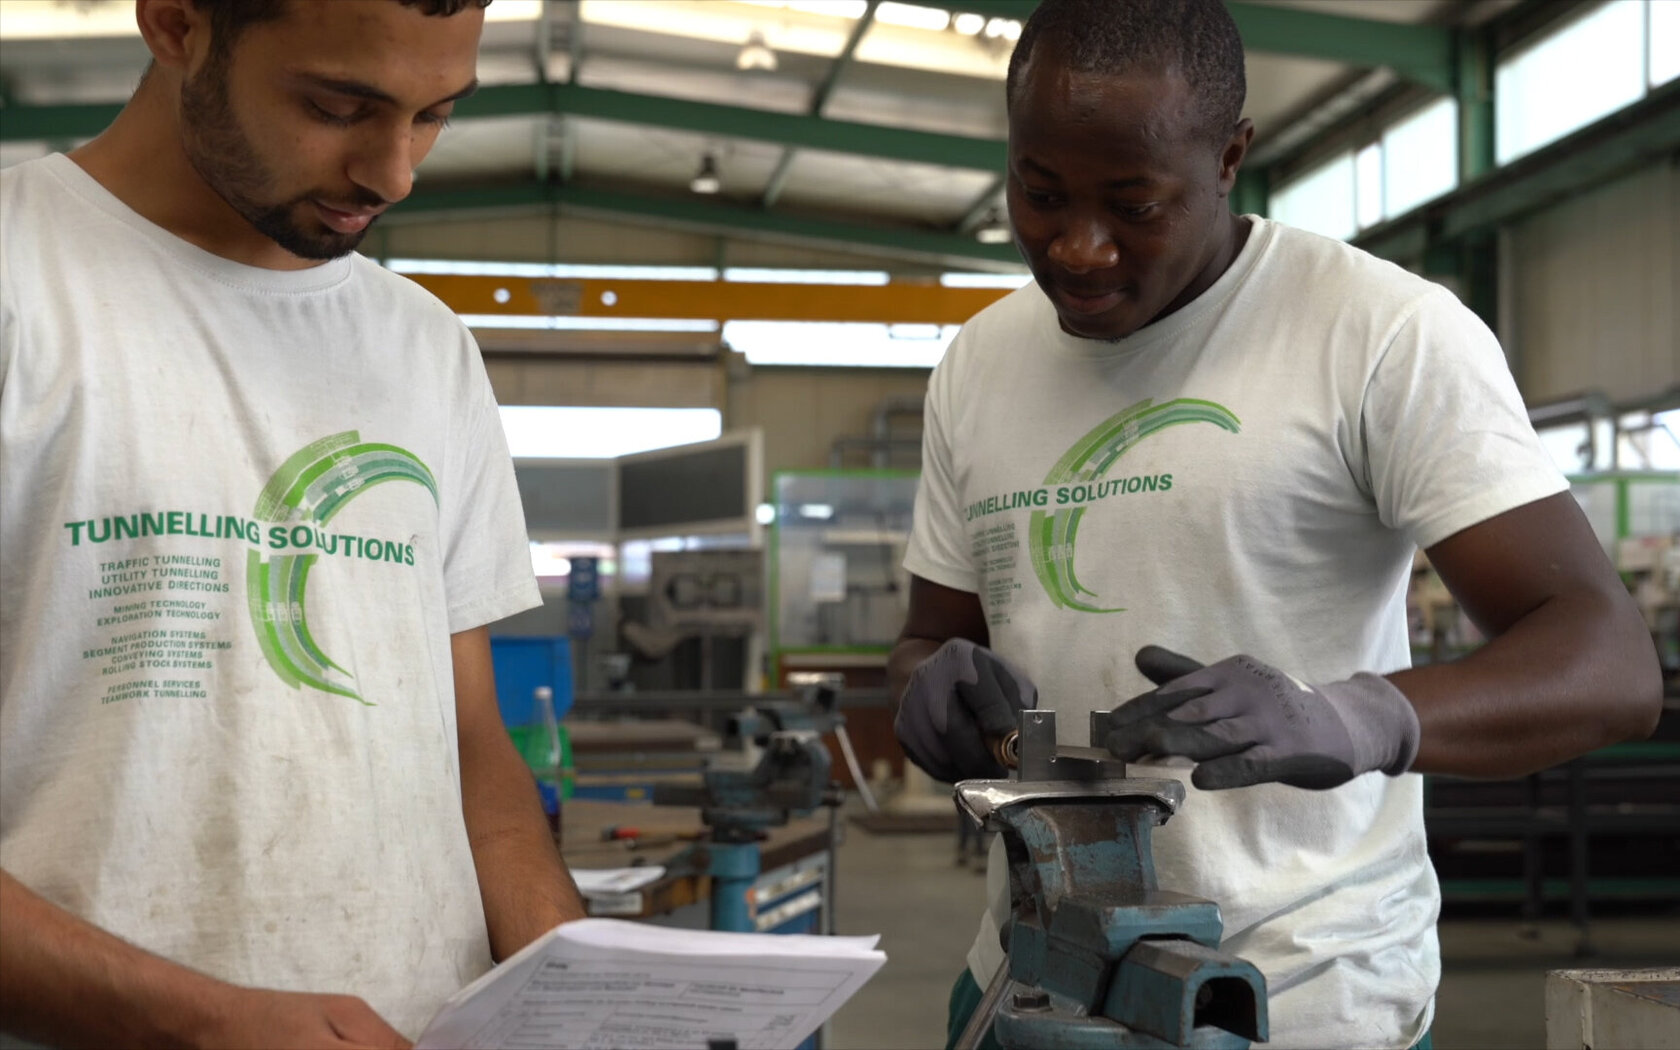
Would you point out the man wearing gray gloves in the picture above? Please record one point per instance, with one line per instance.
(970, 700)
(1246, 723)
(1206, 434)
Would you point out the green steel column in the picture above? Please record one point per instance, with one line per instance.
(1480, 267)
(1474, 84)
(1471, 263)
(1249, 195)
(1441, 260)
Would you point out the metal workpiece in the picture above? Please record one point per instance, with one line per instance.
(1039, 757)
(1098, 955)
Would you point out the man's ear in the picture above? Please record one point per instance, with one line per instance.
(1231, 156)
(176, 32)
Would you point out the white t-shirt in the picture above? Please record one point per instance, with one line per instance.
(241, 512)
(1248, 475)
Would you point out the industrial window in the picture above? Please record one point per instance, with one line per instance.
(481, 268)
(1577, 446)
(774, 275)
(1607, 59)
(838, 344)
(1648, 441)
(1420, 157)
(1663, 35)
(1368, 185)
(1590, 68)
(1414, 160)
(567, 432)
(533, 322)
(1321, 200)
(1639, 440)
(984, 280)
(552, 562)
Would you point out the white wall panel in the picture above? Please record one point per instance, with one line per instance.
(575, 239)
(1591, 288)
(651, 384)
(801, 410)
(536, 238)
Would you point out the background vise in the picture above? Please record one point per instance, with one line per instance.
(773, 765)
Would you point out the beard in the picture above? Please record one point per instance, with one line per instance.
(225, 159)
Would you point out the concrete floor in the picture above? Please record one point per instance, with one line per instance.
(908, 889)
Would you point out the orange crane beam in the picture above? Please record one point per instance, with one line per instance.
(896, 303)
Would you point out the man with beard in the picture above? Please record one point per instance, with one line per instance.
(255, 513)
(1223, 439)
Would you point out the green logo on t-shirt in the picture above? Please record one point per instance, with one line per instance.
(1081, 478)
(308, 489)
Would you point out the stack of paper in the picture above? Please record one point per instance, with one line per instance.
(606, 983)
(615, 891)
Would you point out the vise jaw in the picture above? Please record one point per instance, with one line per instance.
(1100, 957)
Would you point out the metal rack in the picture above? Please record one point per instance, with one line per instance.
(1603, 827)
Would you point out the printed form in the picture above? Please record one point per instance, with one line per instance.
(614, 985)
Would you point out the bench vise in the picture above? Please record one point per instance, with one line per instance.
(1099, 957)
(773, 766)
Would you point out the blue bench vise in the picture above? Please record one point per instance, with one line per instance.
(1099, 957)
(773, 766)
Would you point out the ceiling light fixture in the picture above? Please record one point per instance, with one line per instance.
(1004, 29)
(706, 179)
(993, 230)
(756, 53)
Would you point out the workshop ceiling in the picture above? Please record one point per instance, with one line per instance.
(867, 122)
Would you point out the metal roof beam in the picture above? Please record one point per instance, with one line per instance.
(1421, 53)
(52, 123)
(704, 118)
(707, 118)
(1642, 133)
(819, 98)
(981, 206)
(710, 216)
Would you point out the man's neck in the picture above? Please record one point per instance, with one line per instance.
(1231, 246)
(141, 161)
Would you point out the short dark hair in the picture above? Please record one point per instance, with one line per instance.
(229, 18)
(1115, 37)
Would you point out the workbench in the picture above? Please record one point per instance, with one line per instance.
(791, 894)
(1625, 796)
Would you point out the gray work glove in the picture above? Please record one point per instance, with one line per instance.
(1245, 722)
(956, 702)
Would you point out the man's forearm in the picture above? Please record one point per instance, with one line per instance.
(525, 886)
(1574, 675)
(66, 982)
